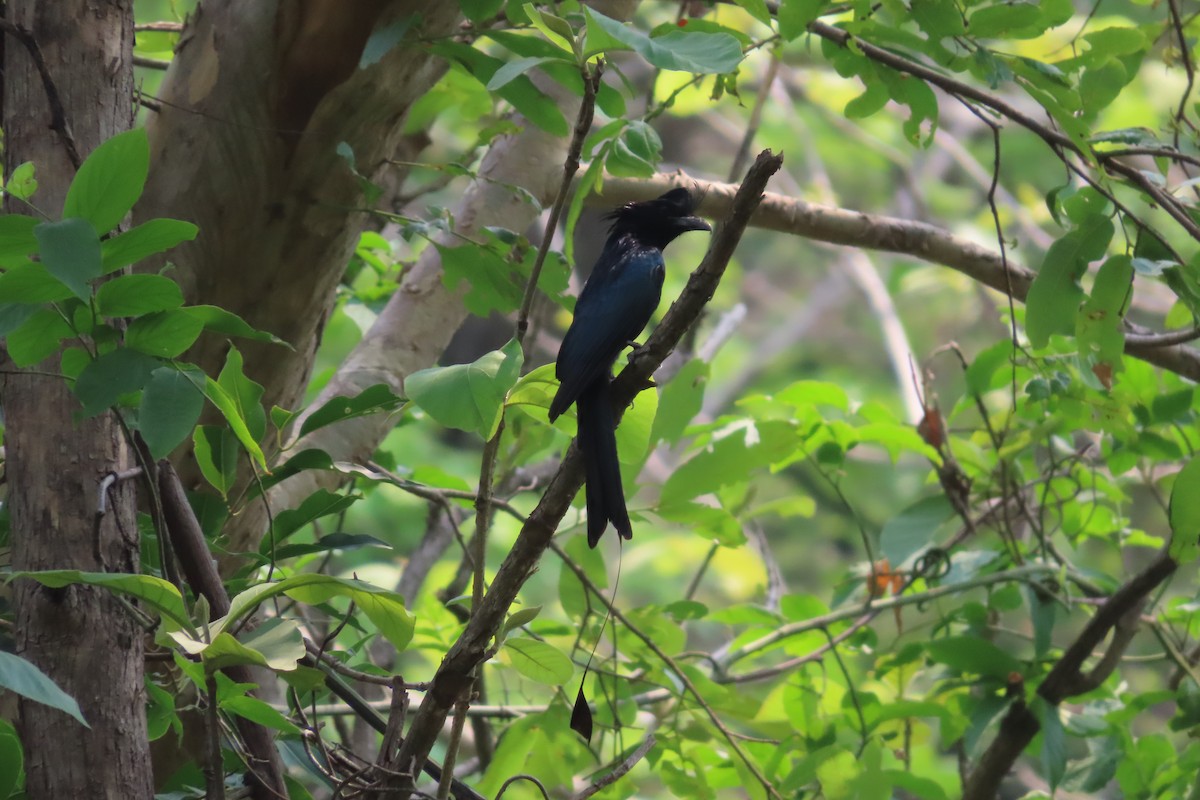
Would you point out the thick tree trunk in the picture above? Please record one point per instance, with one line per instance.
(81, 637)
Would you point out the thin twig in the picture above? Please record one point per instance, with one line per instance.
(620, 770)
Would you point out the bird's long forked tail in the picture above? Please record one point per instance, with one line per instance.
(598, 444)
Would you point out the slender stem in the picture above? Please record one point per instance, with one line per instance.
(214, 773)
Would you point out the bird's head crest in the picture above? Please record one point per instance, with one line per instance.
(657, 222)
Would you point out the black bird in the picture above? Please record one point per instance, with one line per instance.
(616, 303)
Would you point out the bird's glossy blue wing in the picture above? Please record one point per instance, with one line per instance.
(612, 310)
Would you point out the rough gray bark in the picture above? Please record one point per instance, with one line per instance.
(80, 636)
(254, 106)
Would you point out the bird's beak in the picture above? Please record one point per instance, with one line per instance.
(693, 224)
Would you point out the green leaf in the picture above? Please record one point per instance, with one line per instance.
(702, 53)
(21, 677)
(912, 530)
(468, 397)
(385, 609)
(32, 283)
(729, 460)
(796, 15)
(706, 521)
(158, 594)
(134, 295)
(171, 404)
(256, 710)
(22, 184)
(279, 643)
(103, 381)
(245, 393)
(480, 10)
(37, 337)
(150, 238)
(539, 661)
(228, 407)
(14, 315)
(1099, 329)
(938, 18)
(972, 655)
(12, 760)
(526, 98)
(1185, 513)
(17, 241)
(165, 334)
(1006, 19)
(110, 181)
(1055, 295)
(757, 9)
(490, 278)
(513, 70)
(521, 617)
(680, 401)
(216, 450)
(70, 251)
(320, 503)
(1054, 742)
(371, 400)
(218, 320)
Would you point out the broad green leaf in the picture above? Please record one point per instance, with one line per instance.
(1003, 19)
(469, 397)
(815, 393)
(705, 521)
(70, 251)
(32, 283)
(171, 404)
(703, 53)
(150, 238)
(385, 609)
(320, 503)
(256, 710)
(521, 617)
(796, 15)
(938, 18)
(158, 594)
(218, 320)
(513, 70)
(216, 451)
(37, 337)
(757, 9)
(277, 641)
(912, 530)
(103, 381)
(228, 407)
(332, 541)
(309, 458)
(680, 401)
(17, 241)
(526, 98)
(490, 278)
(1185, 513)
(245, 393)
(972, 655)
(135, 295)
(535, 389)
(21, 677)
(14, 315)
(730, 459)
(1054, 742)
(165, 334)
(369, 401)
(480, 10)
(12, 760)
(1055, 295)
(110, 181)
(539, 661)
(1099, 329)
(22, 183)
